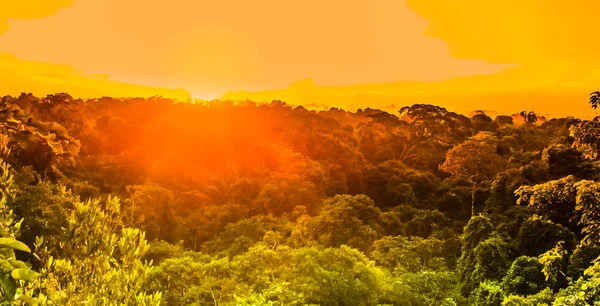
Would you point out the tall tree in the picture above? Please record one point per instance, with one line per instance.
(473, 160)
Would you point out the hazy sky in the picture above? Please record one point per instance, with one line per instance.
(212, 47)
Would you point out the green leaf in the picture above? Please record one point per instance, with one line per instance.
(27, 299)
(14, 244)
(10, 287)
(17, 263)
(38, 241)
(24, 274)
(4, 264)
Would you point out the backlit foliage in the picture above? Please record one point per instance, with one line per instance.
(151, 202)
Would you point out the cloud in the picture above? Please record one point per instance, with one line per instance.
(28, 9)
(214, 46)
(553, 43)
(43, 78)
(392, 96)
(210, 47)
(511, 31)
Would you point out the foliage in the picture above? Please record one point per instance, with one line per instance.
(552, 262)
(524, 277)
(347, 220)
(267, 204)
(98, 262)
(542, 298)
(473, 160)
(14, 274)
(477, 230)
(488, 294)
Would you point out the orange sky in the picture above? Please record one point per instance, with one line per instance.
(504, 55)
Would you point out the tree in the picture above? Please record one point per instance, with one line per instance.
(537, 236)
(489, 293)
(482, 122)
(492, 259)
(504, 120)
(554, 199)
(283, 195)
(478, 229)
(563, 161)
(43, 205)
(347, 220)
(194, 279)
(151, 210)
(552, 263)
(568, 202)
(409, 254)
(436, 123)
(425, 288)
(586, 137)
(41, 144)
(595, 99)
(524, 277)
(337, 276)
(580, 258)
(583, 291)
(14, 274)
(542, 298)
(530, 118)
(475, 161)
(98, 262)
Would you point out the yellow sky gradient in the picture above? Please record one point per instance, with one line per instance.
(463, 54)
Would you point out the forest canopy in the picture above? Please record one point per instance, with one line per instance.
(151, 202)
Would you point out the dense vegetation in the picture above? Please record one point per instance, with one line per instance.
(152, 202)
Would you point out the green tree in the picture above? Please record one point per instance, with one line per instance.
(194, 279)
(97, 262)
(409, 254)
(492, 259)
(553, 263)
(583, 291)
(477, 230)
(337, 276)
(568, 202)
(425, 288)
(488, 293)
(347, 220)
(537, 236)
(543, 298)
(14, 274)
(586, 137)
(524, 277)
(474, 160)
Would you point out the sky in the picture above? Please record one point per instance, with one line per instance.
(502, 55)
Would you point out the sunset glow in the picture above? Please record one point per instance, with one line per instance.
(355, 54)
(287, 153)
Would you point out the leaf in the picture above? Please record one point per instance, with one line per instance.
(27, 299)
(24, 274)
(12, 243)
(5, 265)
(38, 241)
(56, 147)
(17, 263)
(10, 287)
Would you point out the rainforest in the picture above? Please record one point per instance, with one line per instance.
(152, 202)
